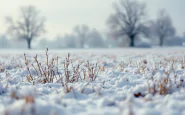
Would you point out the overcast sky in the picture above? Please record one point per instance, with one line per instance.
(63, 15)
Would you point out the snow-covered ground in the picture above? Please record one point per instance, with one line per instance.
(93, 82)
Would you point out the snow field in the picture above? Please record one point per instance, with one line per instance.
(115, 82)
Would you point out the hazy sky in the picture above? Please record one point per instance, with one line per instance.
(63, 15)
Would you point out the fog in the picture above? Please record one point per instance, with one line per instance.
(62, 16)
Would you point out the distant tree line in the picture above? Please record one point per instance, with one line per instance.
(127, 26)
(81, 37)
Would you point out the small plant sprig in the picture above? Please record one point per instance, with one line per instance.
(92, 71)
(29, 77)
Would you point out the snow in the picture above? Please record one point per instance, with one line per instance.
(128, 81)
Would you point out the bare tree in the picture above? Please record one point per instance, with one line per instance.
(163, 26)
(128, 19)
(69, 40)
(95, 39)
(81, 31)
(28, 26)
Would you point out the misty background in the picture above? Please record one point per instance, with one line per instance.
(93, 23)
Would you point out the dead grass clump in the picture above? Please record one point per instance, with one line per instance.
(49, 72)
(167, 83)
(45, 72)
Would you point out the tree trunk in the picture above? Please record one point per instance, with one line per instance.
(132, 40)
(82, 42)
(161, 41)
(29, 43)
